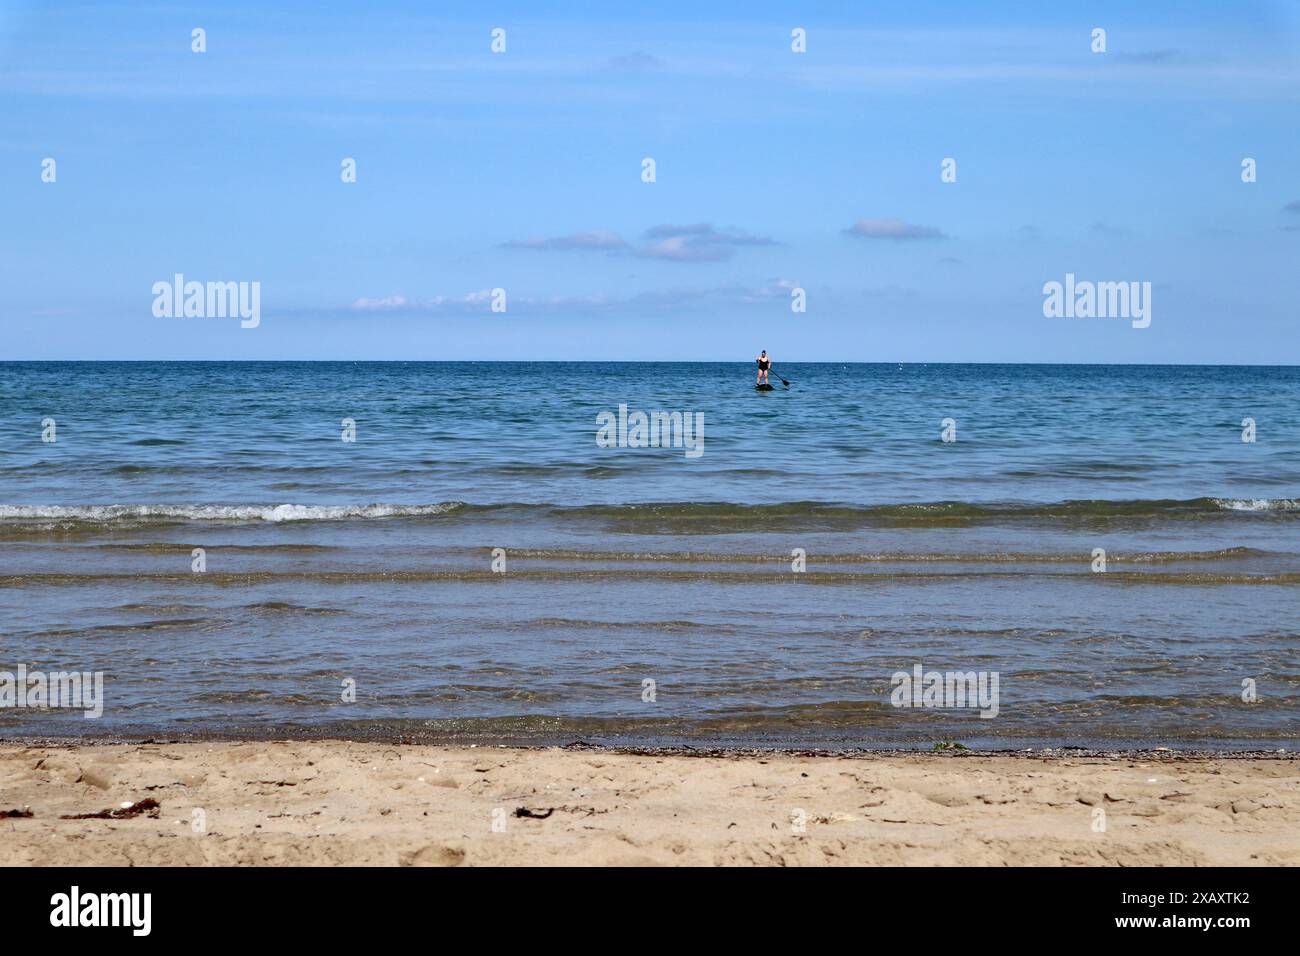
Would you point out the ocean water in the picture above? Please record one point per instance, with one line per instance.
(478, 567)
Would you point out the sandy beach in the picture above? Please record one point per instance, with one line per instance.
(343, 803)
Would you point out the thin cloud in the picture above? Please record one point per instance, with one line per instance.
(774, 293)
(1293, 206)
(634, 62)
(470, 303)
(699, 242)
(593, 239)
(380, 305)
(892, 229)
(1108, 231)
(479, 301)
(1150, 57)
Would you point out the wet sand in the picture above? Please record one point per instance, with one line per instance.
(343, 803)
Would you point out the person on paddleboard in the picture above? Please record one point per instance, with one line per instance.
(764, 363)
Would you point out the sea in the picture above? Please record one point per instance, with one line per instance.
(878, 556)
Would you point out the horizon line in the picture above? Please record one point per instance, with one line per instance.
(744, 362)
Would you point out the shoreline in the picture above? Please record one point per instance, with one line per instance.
(719, 751)
(334, 802)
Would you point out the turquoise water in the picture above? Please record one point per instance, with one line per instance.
(372, 560)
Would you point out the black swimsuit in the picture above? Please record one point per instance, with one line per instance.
(762, 365)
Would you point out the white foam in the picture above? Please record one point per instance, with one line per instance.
(1258, 504)
(273, 513)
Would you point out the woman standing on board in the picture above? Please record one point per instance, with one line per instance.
(764, 363)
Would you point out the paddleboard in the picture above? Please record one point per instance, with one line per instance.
(762, 388)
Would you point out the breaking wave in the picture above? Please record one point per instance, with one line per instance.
(650, 517)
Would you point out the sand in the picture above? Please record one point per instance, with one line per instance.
(336, 802)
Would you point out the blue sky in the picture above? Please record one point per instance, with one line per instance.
(522, 171)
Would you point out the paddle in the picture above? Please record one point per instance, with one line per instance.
(778, 375)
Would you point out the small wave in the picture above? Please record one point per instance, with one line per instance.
(655, 517)
(284, 607)
(170, 547)
(727, 517)
(565, 623)
(953, 510)
(106, 514)
(161, 608)
(881, 557)
(585, 577)
(1258, 504)
(206, 623)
